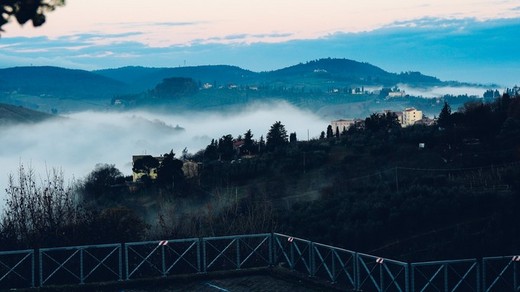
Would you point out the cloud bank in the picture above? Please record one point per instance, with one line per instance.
(79, 141)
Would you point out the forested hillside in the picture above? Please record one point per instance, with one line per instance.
(58, 82)
(10, 114)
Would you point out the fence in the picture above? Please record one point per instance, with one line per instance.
(342, 268)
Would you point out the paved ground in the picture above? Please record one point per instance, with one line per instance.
(257, 283)
(254, 280)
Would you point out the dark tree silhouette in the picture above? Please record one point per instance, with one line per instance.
(261, 144)
(292, 138)
(225, 147)
(25, 10)
(276, 137)
(248, 142)
(211, 151)
(382, 122)
(145, 164)
(170, 174)
(445, 120)
(101, 181)
(329, 132)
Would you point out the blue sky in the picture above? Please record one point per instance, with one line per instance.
(471, 40)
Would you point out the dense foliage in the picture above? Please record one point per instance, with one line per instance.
(25, 10)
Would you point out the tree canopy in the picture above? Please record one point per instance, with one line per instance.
(277, 136)
(25, 10)
(175, 87)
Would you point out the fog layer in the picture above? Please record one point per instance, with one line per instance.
(440, 91)
(79, 141)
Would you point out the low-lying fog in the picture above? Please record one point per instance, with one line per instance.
(79, 141)
(440, 91)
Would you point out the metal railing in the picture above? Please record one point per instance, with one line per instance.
(80, 264)
(341, 268)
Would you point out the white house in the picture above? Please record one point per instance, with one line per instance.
(342, 124)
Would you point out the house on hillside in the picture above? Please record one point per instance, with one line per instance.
(342, 124)
(145, 165)
(425, 121)
(400, 93)
(410, 116)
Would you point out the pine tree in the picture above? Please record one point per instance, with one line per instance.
(445, 120)
(329, 132)
(276, 137)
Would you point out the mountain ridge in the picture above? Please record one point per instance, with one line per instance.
(335, 68)
(314, 85)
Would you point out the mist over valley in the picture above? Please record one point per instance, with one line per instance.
(106, 116)
(76, 142)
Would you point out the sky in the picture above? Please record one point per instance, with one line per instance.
(465, 40)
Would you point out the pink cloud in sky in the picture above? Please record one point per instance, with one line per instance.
(165, 22)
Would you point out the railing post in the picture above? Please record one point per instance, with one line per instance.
(292, 256)
(381, 276)
(333, 264)
(163, 257)
(271, 251)
(126, 262)
(40, 264)
(515, 277)
(120, 261)
(407, 277)
(357, 273)
(446, 286)
(238, 252)
(199, 268)
(312, 259)
(81, 280)
(203, 255)
(479, 282)
(33, 268)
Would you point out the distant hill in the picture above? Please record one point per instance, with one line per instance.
(332, 68)
(142, 78)
(350, 71)
(58, 82)
(10, 114)
(358, 73)
(315, 85)
(101, 84)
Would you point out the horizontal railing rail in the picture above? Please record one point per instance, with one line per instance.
(341, 268)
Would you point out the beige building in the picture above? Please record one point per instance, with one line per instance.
(342, 124)
(396, 94)
(410, 116)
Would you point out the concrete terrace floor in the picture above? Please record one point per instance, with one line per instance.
(253, 283)
(255, 280)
